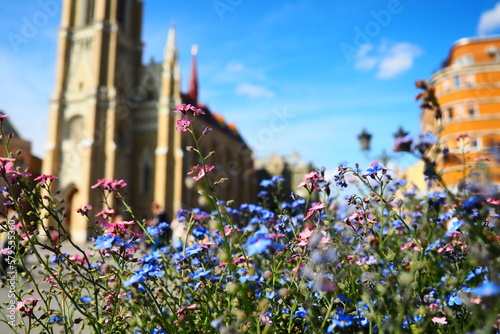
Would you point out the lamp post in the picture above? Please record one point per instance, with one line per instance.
(365, 140)
(400, 134)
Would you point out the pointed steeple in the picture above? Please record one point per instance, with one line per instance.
(171, 48)
(171, 76)
(193, 82)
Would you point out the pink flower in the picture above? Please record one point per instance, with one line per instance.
(52, 280)
(355, 217)
(197, 111)
(44, 177)
(79, 258)
(118, 228)
(112, 295)
(317, 207)
(264, 319)
(109, 184)
(200, 171)
(461, 136)
(481, 158)
(107, 213)
(6, 251)
(105, 216)
(306, 234)
(84, 209)
(439, 320)
(183, 124)
(304, 237)
(228, 231)
(311, 181)
(26, 236)
(411, 245)
(183, 311)
(8, 171)
(182, 108)
(27, 306)
(493, 201)
(4, 161)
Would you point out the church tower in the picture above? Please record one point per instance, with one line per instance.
(94, 100)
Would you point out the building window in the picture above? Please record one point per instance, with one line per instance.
(90, 11)
(458, 82)
(74, 130)
(469, 80)
(493, 52)
(449, 113)
(87, 12)
(472, 111)
(146, 179)
(122, 14)
(474, 144)
(446, 85)
(464, 60)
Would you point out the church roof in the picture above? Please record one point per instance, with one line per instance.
(214, 119)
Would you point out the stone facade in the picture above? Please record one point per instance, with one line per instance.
(111, 117)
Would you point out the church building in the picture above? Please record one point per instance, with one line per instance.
(111, 117)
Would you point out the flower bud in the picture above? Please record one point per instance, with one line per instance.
(232, 288)
(264, 304)
(223, 257)
(283, 292)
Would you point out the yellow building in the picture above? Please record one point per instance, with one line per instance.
(111, 117)
(468, 91)
(291, 167)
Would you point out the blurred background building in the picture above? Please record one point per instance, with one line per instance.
(468, 90)
(291, 167)
(111, 117)
(25, 159)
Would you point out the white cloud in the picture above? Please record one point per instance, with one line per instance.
(398, 59)
(489, 20)
(253, 91)
(389, 60)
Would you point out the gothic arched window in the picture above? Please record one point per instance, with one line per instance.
(122, 14)
(146, 178)
(74, 130)
(146, 172)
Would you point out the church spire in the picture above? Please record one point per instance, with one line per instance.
(193, 82)
(171, 48)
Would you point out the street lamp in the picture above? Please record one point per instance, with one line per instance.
(400, 134)
(364, 140)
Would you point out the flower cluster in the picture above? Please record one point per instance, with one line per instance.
(388, 259)
(109, 184)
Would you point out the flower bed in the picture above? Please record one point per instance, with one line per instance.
(387, 259)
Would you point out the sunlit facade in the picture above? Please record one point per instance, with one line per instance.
(111, 117)
(468, 90)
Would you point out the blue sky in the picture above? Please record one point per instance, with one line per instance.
(292, 75)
